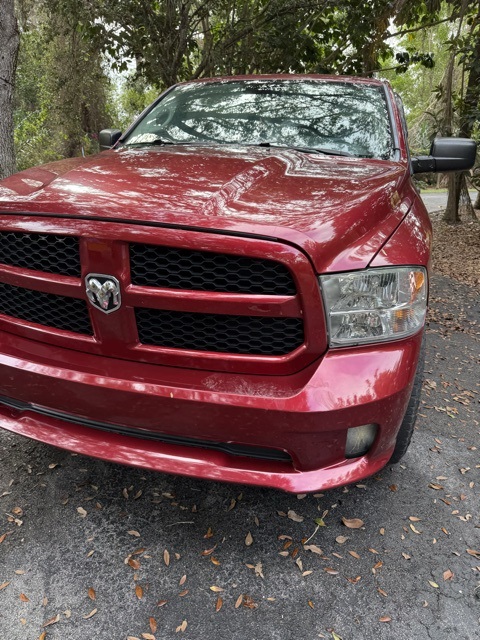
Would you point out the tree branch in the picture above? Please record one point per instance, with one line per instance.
(423, 26)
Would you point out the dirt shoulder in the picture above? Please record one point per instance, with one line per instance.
(456, 250)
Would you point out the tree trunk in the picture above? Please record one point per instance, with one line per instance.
(457, 184)
(465, 202)
(454, 186)
(9, 43)
(477, 201)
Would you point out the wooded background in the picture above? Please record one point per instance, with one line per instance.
(69, 68)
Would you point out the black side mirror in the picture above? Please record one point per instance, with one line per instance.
(108, 137)
(447, 154)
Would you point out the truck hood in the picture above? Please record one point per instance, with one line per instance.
(338, 210)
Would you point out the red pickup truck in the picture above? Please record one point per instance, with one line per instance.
(235, 289)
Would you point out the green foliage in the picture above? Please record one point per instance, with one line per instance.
(64, 94)
(134, 96)
(62, 91)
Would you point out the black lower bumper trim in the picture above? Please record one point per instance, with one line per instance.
(262, 453)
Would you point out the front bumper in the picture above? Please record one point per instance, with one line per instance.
(305, 415)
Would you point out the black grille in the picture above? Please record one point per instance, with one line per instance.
(43, 252)
(221, 333)
(50, 310)
(154, 266)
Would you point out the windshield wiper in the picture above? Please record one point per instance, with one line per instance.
(157, 141)
(321, 150)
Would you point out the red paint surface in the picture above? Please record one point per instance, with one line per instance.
(314, 214)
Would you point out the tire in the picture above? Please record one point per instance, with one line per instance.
(408, 424)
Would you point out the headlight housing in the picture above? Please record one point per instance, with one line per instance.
(374, 305)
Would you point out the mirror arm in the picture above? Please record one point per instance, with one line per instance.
(423, 164)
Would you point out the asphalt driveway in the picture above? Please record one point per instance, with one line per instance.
(95, 550)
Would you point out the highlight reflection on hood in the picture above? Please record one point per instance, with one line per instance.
(322, 203)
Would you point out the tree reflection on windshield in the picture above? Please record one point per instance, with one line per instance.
(346, 117)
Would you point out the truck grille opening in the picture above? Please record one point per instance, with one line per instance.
(59, 312)
(167, 267)
(42, 252)
(219, 333)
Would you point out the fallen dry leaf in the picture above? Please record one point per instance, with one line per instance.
(385, 619)
(216, 589)
(433, 584)
(51, 621)
(91, 594)
(354, 554)
(239, 601)
(182, 580)
(414, 519)
(2, 537)
(23, 598)
(182, 627)
(471, 552)
(134, 533)
(294, 516)
(219, 604)
(135, 564)
(183, 593)
(448, 575)
(331, 571)
(207, 552)
(166, 557)
(153, 624)
(42, 636)
(148, 636)
(382, 592)
(310, 604)
(341, 539)
(161, 603)
(353, 523)
(90, 615)
(313, 548)
(139, 592)
(249, 539)
(249, 603)
(82, 512)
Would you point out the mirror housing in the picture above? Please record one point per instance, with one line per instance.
(447, 154)
(108, 137)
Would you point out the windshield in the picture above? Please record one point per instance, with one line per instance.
(348, 118)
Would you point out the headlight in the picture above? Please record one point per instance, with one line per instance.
(375, 304)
